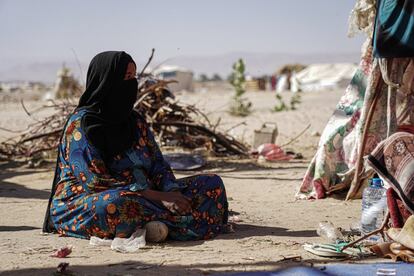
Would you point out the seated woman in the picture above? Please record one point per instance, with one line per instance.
(111, 177)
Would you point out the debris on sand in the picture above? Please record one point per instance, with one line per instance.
(62, 252)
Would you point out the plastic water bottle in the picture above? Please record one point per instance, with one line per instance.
(374, 206)
(329, 232)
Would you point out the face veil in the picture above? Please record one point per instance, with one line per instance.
(109, 122)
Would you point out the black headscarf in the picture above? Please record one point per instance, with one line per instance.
(110, 121)
(109, 100)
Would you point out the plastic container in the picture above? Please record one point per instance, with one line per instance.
(131, 244)
(95, 241)
(124, 245)
(329, 232)
(374, 207)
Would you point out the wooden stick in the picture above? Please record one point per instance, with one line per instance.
(359, 163)
(11, 130)
(148, 62)
(233, 127)
(27, 112)
(218, 137)
(379, 230)
(291, 258)
(79, 65)
(296, 137)
(34, 137)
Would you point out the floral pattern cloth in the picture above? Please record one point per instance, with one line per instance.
(393, 160)
(334, 162)
(97, 198)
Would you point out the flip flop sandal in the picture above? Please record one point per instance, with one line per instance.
(334, 250)
(325, 250)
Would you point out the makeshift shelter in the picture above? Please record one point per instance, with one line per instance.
(317, 77)
(285, 76)
(182, 76)
(283, 83)
(255, 84)
(66, 85)
(379, 99)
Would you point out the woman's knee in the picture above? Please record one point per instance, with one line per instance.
(109, 204)
(216, 180)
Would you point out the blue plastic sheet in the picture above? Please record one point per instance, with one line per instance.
(380, 269)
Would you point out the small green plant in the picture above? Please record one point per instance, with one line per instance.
(295, 100)
(239, 105)
(280, 104)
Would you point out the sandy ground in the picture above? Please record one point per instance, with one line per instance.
(273, 224)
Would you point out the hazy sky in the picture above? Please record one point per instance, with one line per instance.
(47, 30)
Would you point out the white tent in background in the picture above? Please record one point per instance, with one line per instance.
(184, 77)
(317, 77)
(282, 84)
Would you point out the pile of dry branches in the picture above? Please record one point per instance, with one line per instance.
(40, 136)
(183, 125)
(173, 123)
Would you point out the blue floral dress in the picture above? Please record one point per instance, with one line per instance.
(96, 198)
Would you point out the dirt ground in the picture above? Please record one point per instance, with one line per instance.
(273, 224)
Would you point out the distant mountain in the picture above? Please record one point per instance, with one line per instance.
(39, 71)
(256, 64)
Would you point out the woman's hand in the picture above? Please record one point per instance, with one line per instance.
(175, 202)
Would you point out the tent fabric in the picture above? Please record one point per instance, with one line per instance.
(393, 160)
(183, 76)
(283, 83)
(394, 29)
(317, 77)
(332, 168)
